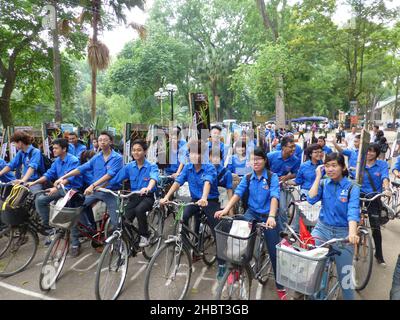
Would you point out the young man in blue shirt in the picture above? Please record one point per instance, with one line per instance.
(203, 186)
(104, 165)
(285, 164)
(298, 151)
(322, 143)
(63, 164)
(75, 146)
(178, 154)
(28, 157)
(143, 177)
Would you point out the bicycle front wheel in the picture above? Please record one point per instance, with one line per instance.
(168, 274)
(290, 209)
(54, 260)
(235, 284)
(5, 239)
(362, 261)
(111, 270)
(333, 288)
(20, 252)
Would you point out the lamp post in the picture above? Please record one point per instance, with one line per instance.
(161, 95)
(171, 88)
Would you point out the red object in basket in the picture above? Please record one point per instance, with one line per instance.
(305, 235)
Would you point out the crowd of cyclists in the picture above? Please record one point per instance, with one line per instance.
(251, 175)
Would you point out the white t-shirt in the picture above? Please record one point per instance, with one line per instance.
(350, 140)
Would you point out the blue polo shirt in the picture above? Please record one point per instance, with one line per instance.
(298, 151)
(139, 178)
(283, 167)
(76, 151)
(327, 150)
(240, 167)
(196, 180)
(181, 155)
(99, 167)
(337, 210)
(353, 156)
(226, 179)
(32, 158)
(379, 171)
(260, 194)
(60, 168)
(9, 176)
(306, 175)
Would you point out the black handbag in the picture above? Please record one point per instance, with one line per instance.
(382, 211)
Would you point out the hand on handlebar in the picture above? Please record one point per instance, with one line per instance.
(163, 201)
(51, 191)
(271, 223)
(89, 190)
(202, 203)
(354, 238)
(219, 214)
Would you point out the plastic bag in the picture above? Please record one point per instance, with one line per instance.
(236, 248)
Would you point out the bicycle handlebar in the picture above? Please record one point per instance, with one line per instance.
(374, 198)
(118, 194)
(333, 241)
(185, 204)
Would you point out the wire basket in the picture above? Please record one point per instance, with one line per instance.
(231, 248)
(66, 218)
(309, 212)
(298, 271)
(14, 216)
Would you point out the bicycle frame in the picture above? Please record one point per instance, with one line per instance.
(322, 294)
(88, 231)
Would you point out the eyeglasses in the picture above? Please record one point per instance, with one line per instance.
(258, 159)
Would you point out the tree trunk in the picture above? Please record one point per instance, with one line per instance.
(396, 102)
(5, 110)
(57, 70)
(279, 103)
(96, 8)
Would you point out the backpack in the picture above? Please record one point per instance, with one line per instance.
(245, 198)
(45, 163)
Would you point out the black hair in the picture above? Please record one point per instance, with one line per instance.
(376, 126)
(63, 143)
(106, 133)
(379, 134)
(375, 148)
(335, 156)
(286, 140)
(321, 138)
(216, 127)
(86, 156)
(259, 152)
(358, 136)
(142, 143)
(73, 134)
(311, 148)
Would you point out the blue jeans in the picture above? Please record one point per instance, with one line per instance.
(271, 237)
(395, 291)
(111, 203)
(344, 262)
(42, 202)
(36, 188)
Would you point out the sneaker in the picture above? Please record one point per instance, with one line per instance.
(221, 272)
(380, 261)
(144, 242)
(281, 294)
(75, 251)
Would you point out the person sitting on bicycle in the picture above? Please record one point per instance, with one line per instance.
(339, 215)
(263, 198)
(29, 157)
(64, 163)
(143, 177)
(224, 176)
(375, 178)
(104, 165)
(352, 155)
(203, 186)
(239, 164)
(9, 176)
(285, 164)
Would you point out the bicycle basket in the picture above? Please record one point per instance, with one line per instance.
(233, 248)
(309, 212)
(300, 270)
(14, 216)
(64, 218)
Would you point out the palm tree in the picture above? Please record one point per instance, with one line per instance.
(98, 53)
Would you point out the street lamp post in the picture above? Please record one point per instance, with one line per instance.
(171, 88)
(161, 95)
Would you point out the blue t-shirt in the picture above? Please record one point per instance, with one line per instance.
(353, 156)
(306, 175)
(327, 150)
(99, 167)
(196, 180)
(226, 179)
(283, 167)
(181, 155)
(60, 168)
(240, 167)
(139, 178)
(260, 194)
(337, 210)
(32, 158)
(379, 171)
(298, 151)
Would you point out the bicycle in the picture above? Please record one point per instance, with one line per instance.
(291, 200)
(20, 239)
(173, 261)
(122, 244)
(247, 258)
(315, 277)
(363, 253)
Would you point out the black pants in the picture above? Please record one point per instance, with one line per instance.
(137, 207)
(373, 214)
